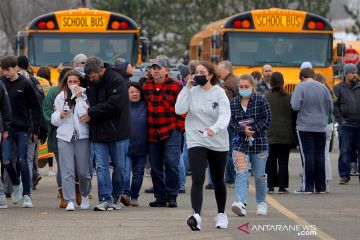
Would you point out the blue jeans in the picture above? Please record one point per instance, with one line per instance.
(183, 165)
(20, 138)
(257, 162)
(104, 151)
(136, 166)
(230, 173)
(349, 138)
(164, 159)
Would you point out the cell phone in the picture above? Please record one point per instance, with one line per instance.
(246, 122)
(66, 107)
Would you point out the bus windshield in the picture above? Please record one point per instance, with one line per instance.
(278, 49)
(54, 48)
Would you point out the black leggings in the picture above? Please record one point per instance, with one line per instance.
(199, 157)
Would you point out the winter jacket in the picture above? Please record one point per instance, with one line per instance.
(48, 109)
(231, 86)
(138, 140)
(109, 108)
(5, 109)
(347, 104)
(70, 125)
(261, 87)
(282, 129)
(25, 104)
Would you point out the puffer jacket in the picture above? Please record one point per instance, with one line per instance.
(71, 124)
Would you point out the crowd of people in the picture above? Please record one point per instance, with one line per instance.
(209, 119)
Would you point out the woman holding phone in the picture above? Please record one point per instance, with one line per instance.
(208, 114)
(73, 138)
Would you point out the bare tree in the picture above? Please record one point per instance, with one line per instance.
(7, 20)
(15, 15)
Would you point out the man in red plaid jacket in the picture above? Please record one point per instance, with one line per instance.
(164, 134)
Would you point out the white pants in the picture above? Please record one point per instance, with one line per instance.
(329, 130)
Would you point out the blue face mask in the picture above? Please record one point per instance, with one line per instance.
(245, 93)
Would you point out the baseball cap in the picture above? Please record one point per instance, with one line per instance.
(306, 65)
(159, 62)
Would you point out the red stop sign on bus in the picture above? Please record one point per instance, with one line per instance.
(351, 56)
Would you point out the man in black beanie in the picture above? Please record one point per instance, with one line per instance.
(23, 62)
(347, 114)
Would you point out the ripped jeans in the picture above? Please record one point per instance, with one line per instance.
(242, 164)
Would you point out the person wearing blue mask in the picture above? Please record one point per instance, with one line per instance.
(250, 118)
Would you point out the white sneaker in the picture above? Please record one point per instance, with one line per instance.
(194, 222)
(3, 204)
(16, 195)
(27, 203)
(261, 209)
(85, 202)
(70, 206)
(221, 221)
(239, 209)
(51, 174)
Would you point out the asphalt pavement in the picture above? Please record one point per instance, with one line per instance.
(318, 216)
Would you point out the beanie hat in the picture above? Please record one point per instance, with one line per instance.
(349, 68)
(184, 70)
(306, 65)
(23, 62)
(121, 65)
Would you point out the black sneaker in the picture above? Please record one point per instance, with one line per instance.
(36, 181)
(172, 202)
(283, 191)
(344, 180)
(158, 203)
(103, 206)
(271, 191)
(210, 186)
(149, 190)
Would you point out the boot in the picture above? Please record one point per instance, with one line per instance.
(63, 202)
(78, 194)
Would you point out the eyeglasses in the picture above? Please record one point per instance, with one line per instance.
(82, 62)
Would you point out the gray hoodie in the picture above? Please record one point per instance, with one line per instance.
(312, 101)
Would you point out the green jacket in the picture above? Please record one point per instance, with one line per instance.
(282, 129)
(48, 109)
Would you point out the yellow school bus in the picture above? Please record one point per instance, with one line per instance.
(57, 37)
(279, 37)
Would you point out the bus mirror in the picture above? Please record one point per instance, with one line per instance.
(340, 49)
(215, 59)
(216, 41)
(338, 68)
(20, 42)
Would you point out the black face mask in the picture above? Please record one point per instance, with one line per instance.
(200, 79)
